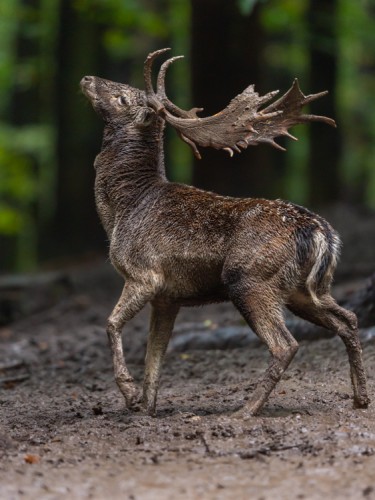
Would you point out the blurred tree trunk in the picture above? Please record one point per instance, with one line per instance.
(23, 111)
(75, 227)
(325, 142)
(226, 57)
(24, 105)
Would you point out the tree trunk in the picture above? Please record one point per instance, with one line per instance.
(76, 228)
(325, 142)
(226, 58)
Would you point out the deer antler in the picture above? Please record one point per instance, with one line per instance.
(160, 92)
(160, 97)
(148, 69)
(241, 123)
(289, 107)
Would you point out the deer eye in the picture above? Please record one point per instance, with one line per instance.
(121, 100)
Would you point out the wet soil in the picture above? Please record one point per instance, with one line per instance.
(64, 431)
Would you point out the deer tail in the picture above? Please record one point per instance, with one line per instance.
(325, 251)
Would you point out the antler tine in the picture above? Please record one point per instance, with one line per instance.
(317, 118)
(148, 68)
(313, 97)
(160, 86)
(161, 94)
(268, 97)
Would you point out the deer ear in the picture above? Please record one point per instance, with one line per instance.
(144, 117)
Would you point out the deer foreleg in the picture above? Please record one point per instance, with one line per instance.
(134, 296)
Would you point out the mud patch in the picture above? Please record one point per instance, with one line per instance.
(64, 431)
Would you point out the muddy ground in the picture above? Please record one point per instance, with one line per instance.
(65, 433)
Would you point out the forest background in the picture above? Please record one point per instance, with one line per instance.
(49, 135)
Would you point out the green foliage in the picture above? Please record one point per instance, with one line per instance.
(246, 6)
(355, 93)
(21, 150)
(279, 14)
(18, 190)
(285, 25)
(125, 23)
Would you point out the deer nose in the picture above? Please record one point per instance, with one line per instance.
(86, 80)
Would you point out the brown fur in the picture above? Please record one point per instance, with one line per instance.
(176, 245)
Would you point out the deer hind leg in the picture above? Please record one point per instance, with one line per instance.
(133, 298)
(330, 315)
(161, 326)
(263, 312)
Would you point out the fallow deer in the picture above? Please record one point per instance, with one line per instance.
(176, 245)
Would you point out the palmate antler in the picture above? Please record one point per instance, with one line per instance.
(241, 124)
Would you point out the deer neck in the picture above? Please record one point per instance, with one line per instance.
(130, 163)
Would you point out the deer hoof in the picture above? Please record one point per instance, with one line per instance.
(362, 402)
(131, 394)
(244, 414)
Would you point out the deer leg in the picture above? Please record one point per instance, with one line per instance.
(132, 300)
(161, 326)
(264, 315)
(344, 323)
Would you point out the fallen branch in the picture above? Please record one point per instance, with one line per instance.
(9, 381)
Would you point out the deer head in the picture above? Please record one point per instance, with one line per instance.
(118, 104)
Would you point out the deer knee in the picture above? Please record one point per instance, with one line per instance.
(348, 328)
(114, 334)
(293, 348)
(351, 320)
(123, 379)
(286, 353)
(291, 351)
(112, 326)
(115, 323)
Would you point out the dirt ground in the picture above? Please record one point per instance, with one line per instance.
(64, 431)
